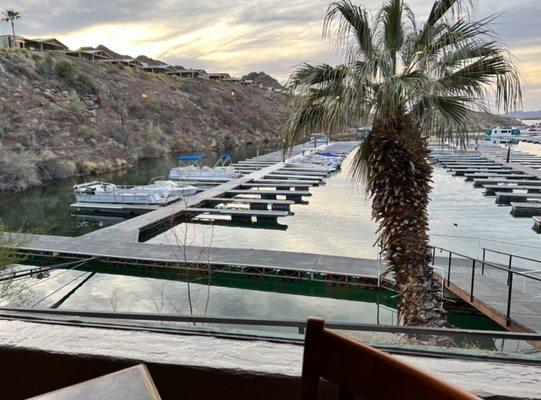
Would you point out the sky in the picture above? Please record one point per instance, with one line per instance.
(240, 36)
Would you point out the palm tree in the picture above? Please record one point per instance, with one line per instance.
(9, 15)
(409, 78)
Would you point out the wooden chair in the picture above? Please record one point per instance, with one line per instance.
(362, 372)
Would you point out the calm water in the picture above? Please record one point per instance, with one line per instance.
(46, 209)
(337, 221)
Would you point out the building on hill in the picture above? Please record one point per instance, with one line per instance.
(185, 72)
(219, 76)
(126, 62)
(88, 53)
(151, 65)
(48, 44)
(112, 54)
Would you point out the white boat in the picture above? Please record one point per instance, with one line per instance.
(170, 188)
(316, 161)
(191, 167)
(103, 192)
(503, 134)
(191, 172)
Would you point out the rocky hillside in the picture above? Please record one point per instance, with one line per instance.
(261, 78)
(60, 116)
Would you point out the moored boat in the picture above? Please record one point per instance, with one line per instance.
(505, 134)
(192, 167)
(322, 160)
(157, 193)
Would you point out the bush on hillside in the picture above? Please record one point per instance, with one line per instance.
(53, 167)
(45, 65)
(18, 170)
(82, 82)
(65, 70)
(151, 103)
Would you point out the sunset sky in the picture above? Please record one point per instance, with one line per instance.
(240, 36)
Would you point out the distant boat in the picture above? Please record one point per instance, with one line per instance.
(160, 192)
(534, 129)
(504, 134)
(363, 132)
(317, 139)
(193, 167)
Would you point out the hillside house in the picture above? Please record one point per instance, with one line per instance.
(126, 62)
(6, 41)
(184, 72)
(88, 53)
(150, 65)
(219, 76)
(49, 44)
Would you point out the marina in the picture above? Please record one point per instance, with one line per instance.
(360, 220)
(118, 244)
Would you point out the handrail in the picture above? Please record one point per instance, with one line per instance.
(513, 255)
(487, 263)
(353, 326)
(487, 239)
(510, 274)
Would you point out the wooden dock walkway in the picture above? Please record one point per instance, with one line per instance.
(294, 265)
(490, 291)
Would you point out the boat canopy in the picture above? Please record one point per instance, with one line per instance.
(327, 154)
(191, 157)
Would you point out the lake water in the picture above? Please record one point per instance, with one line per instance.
(336, 221)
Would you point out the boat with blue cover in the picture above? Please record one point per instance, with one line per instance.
(194, 166)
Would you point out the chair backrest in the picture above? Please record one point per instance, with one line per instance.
(362, 372)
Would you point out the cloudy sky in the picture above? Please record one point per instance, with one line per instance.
(240, 36)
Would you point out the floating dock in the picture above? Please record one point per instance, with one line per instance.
(516, 183)
(523, 209)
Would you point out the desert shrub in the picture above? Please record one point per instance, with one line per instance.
(151, 103)
(65, 70)
(88, 132)
(121, 163)
(18, 170)
(84, 84)
(156, 141)
(19, 67)
(120, 135)
(45, 65)
(89, 167)
(57, 168)
(74, 104)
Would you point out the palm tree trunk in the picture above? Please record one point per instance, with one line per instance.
(399, 183)
(13, 32)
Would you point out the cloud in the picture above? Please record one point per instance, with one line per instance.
(243, 35)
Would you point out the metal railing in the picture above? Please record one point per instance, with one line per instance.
(512, 257)
(473, 263)
(298, 325)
